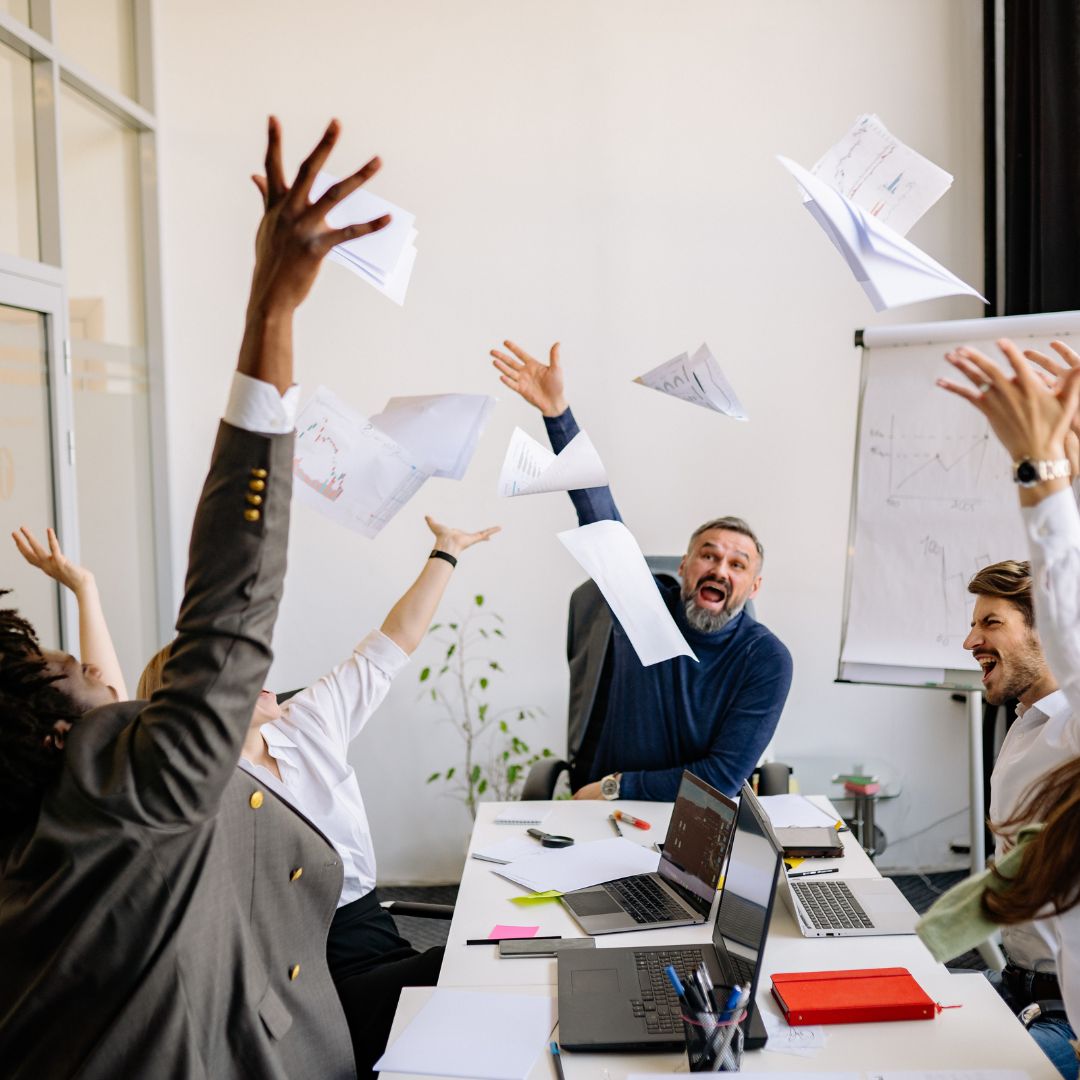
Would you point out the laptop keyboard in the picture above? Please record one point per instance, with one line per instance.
(644, 901)
(658, 1005)
(831, 905)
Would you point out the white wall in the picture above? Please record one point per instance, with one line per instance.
(599, 172)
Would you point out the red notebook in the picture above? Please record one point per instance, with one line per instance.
(851, 997)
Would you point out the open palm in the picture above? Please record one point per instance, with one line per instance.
(538, 383)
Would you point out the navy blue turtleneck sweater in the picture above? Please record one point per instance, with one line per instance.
(714, 716)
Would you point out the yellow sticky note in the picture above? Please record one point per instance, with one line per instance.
(793, 862)
(536, 898)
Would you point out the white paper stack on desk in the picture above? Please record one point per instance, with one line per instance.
(383, 259)
(580, 866)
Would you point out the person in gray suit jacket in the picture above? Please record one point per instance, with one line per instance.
(127, 945)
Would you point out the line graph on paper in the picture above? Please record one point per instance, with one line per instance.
(932, 465)
(318, 460)
(949, 574)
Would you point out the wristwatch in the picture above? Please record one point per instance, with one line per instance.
(1027, 473)
(609, 786)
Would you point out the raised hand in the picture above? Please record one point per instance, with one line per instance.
(292, 240)
(53, 561)
(1030, 418)
(455, 541)
(538, 383)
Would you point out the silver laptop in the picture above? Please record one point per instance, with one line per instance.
(681, 891)
(855, 907)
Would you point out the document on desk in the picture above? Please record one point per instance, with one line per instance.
(794, 812)
(442, 429)
(384, 259)
(698, 380)
(472, 1034)
(877, 172)
(804, 1041)
(609, 554)
(580, 866)
(506, 851)
(891, 269)
(347, 469)
(532, 469)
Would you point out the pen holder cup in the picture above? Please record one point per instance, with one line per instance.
(714, 1045)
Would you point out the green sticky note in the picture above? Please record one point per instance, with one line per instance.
(536, 898)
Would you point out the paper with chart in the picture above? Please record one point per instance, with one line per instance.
(347, 469)
(385, 258)
(698, 380)
(532, 469)
(891, 269)
(876, 171)
(483, 1036)
(609, 554)
(934, 504)
(442, 429)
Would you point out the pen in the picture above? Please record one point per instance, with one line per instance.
(622, 815)
(732, 1002)
(496, 940)
(554, 1046)
(706, 978)
(615, 824)
(814, 873)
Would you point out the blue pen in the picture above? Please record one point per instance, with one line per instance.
(676, 982)
(732, 1002)
(684, 993)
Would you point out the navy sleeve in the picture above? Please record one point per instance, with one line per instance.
(591, 504)
(742, 733)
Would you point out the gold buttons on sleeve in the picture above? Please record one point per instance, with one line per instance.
(257, 485)
(255, 500)
(259, 474)
(252, 515)
(297, 874)
(256, 800)
(294, 971)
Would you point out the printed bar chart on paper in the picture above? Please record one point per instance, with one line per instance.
(532, 469)
(698, 380)
(347, 469)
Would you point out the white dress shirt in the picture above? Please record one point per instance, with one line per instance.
(310, 745)
(1044, 736)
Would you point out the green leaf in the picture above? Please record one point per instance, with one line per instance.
(482, 711)
(453, 625)
(545, 752)
(450, 772)
(424, 674)
(483, 632)
(494, 666)
(475, 774)
(433, 776)
(481, 787)
(444, 669)
(434, 696)
(496, 630)
(483, 683)
(503, 726)
(450, 651)
(433, 627)
(479, 600)
(506, 755)
(512, 773)
(521, 715)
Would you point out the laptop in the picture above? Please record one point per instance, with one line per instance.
(681, 891)
(855, 907)
(620, 999)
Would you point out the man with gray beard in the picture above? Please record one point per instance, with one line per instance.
(713, 716)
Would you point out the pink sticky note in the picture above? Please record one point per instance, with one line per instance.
(501, 931)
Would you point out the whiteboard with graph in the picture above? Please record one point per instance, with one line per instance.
(932, 502)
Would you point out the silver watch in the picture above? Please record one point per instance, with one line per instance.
(1027, 473)
(609, 786)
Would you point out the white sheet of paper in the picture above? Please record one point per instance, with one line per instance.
(347, 469)
(879, 173)
(530, 468)
(442, 429)
(524, 813)
(506, 851)
(794, 812)
(891, 270)
(609, 554)
(698, 380)
(803, 1041)
(472, 1034)
(579, 866)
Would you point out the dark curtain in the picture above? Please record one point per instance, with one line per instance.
(1042, 156)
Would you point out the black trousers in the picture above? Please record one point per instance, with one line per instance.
(370, 962)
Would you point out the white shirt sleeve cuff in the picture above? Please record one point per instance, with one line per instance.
(383, 652)
(255, 405)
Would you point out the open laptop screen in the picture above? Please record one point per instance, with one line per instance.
(697, 841)
(750, 882)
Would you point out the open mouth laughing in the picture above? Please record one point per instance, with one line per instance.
(711, 594)
(988, 662)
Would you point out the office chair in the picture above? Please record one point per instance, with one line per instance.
(588, 637)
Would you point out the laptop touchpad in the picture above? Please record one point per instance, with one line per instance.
(604, 981)
(593, 902)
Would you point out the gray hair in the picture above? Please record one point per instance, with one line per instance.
(729, 524)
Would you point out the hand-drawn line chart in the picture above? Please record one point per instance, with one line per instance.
(950, 574)
(321, 469)
(933, 465)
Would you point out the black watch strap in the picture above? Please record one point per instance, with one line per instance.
(436, 554)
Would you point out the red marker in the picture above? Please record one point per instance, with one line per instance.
(622, 815)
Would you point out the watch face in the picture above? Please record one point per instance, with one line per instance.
(1026, 473)
(609, 787)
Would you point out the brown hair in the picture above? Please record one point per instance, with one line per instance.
(728, 524)
(150, 679)
(1050, 870)
(1009, 580)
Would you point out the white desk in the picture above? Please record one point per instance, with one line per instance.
(982, 1034)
